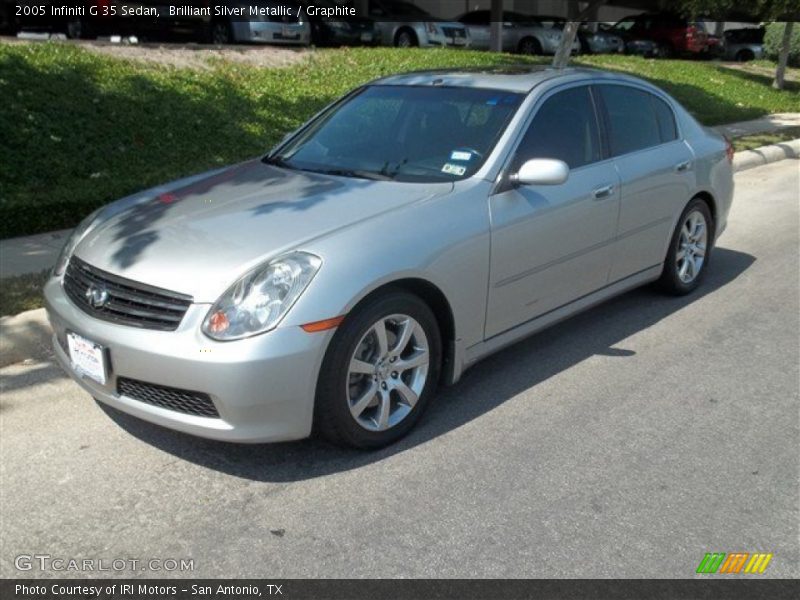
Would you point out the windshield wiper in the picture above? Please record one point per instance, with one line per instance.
(277, 161)
(355, 173)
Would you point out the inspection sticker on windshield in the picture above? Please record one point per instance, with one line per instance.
(453, 169)
(460, 155)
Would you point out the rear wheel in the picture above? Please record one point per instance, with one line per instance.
(530, 46)
(379, 373)
(745, 55)
(689, 251)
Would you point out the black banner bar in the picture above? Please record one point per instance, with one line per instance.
(379, 11)
(405, 589)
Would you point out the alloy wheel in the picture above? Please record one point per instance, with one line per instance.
(387, 372)
(692, 244)
(220, 34)
(404, 40)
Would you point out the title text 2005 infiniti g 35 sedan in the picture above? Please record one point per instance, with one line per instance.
(418, 224)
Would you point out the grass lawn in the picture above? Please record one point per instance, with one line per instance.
(22, 292)
(79, 129)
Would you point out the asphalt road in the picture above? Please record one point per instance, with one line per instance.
(626, 442)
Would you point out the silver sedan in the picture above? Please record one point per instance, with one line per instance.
(405, 232)
(520, 33)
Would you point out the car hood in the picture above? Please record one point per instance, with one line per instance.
(198, 235)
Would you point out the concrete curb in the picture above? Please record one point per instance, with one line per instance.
(747, 159)
(23, 336)
(28, 335)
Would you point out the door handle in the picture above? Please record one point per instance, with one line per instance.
(684, 166)
(603, 192)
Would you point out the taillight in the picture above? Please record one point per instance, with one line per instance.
(729, 149)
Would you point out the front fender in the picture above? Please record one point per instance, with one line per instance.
(444, 241)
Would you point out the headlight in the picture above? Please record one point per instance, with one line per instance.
(72, 242)
(259, 300)
(431, 27)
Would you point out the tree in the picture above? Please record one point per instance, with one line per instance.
(765, 10)
(564, 50)
(783, 55)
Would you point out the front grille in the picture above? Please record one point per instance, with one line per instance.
(183, 401)
(453, 32)
(127, 302)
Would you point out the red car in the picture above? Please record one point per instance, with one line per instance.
(674, 34)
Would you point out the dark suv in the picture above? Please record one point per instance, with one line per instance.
(674, 34)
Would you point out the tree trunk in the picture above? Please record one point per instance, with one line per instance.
(564, 51)
(561, 58)
(783, 56)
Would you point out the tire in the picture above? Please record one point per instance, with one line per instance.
(220, 32)
(530, 46)
(76, 29)
(406, 38)
(667, 50)
(359, 387)
(745, 56)
(677, 279)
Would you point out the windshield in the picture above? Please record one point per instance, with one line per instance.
(403, 133)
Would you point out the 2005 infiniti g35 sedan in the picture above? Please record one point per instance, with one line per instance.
(409, 229)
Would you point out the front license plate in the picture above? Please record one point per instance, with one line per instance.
(87, 357)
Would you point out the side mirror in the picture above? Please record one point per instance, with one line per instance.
(541, 171)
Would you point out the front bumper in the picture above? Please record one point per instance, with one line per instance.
(262, 387)
(441, 40)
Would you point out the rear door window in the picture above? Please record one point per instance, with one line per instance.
(633, 123)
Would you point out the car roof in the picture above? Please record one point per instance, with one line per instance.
(511, 78)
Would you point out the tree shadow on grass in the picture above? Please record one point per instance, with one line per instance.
(82, 131)
(790, 87)
(484, 387)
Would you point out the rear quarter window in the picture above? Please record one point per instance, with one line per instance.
(665, 118)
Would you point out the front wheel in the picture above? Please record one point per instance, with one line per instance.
(379, 373)
(406, 39)
(220, 33)
(689, 251)
(76, 29)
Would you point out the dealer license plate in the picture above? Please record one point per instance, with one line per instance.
(87, 357)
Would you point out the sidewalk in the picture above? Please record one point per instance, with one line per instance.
(768, 124)
(34, 253)
(30, 254)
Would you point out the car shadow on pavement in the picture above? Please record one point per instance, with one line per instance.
(483, 387)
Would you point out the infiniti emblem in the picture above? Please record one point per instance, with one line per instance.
(97, 296)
